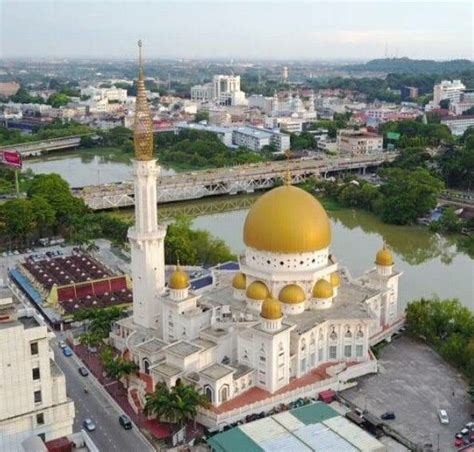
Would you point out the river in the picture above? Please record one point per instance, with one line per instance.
(87, 167)
(432, 264)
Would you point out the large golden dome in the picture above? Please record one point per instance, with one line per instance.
(179, 279)
(384, 257)
(257, 291)
(239, 281)
(323, 289)
(287, 220)
(292, 294)
(271, 309)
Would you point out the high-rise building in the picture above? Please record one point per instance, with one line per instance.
(447, 89)
(146, 236)
(284, 74)
(33, 399)
(408, 92)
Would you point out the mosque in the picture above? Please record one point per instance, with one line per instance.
(289, 323)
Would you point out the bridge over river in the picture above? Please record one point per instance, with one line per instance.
(34, 148)
(227, 181)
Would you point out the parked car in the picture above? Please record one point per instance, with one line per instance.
(388, 416)
(443, 416)
(89, 424)
(458, 442)
(125, 422)
(67, 351)
(62, 344)
(83, 371)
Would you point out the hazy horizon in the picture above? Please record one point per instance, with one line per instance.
(224, 30)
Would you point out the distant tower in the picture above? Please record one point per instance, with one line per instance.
(146, 237)
(311, 102)
(275, 105)
(284, 75)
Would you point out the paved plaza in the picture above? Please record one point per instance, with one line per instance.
(414, 382)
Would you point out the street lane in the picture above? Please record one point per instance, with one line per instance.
(109, 435)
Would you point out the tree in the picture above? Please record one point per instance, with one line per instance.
(176, 405)
(58, 100)
(448, 223)
(43, 212)
(201, 116)
(56, 192)
(407, 196)
(18, 218)
(444, 103)
(193, 247)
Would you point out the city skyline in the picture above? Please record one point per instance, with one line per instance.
(239, 30)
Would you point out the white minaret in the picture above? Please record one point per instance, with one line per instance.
(146, 237)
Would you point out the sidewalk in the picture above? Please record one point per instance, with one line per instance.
(157, 430)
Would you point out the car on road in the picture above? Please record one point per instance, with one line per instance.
(125, 422)
(388, 416)
(443, 416)
(89, 424)
(67, 351)
(459, 440)
(83, 371)
(62, 344)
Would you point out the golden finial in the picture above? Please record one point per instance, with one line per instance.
(143, 126)
(287, 178)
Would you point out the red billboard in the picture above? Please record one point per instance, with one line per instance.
(11, 158)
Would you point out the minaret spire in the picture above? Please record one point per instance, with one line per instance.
(143, 126)
(146, 236)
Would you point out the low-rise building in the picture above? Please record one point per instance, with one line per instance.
(33, 399)
(358, 141)
(458, 124)
(287, 123)
(255, 138)
(223, 133)
(9, 88)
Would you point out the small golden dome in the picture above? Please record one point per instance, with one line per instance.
(287, 219)
(384, 257)
(292, 294)
(179, 279)
(257, 291)
(239, 281)
(335, 279)
(271, 309)
(323, 289)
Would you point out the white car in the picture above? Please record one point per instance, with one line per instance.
(443, 416)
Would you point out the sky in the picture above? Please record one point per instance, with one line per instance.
(252, 29)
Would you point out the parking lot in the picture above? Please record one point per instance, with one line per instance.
(414, 382)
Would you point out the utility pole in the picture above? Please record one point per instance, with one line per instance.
(17, 183)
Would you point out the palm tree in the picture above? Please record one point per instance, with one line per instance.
(176, 405)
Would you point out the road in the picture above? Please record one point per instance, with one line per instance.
(109, 435)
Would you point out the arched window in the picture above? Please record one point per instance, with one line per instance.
(208, 393)
(348, 334)
(360, 334)
(312, 340)
(333, 335)
(224, 393)
(146, 366)
(303, 344)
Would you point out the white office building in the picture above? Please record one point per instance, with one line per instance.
(255, 138)
(33, 399)
(224, 90)
(447, 89)
(201, 93)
